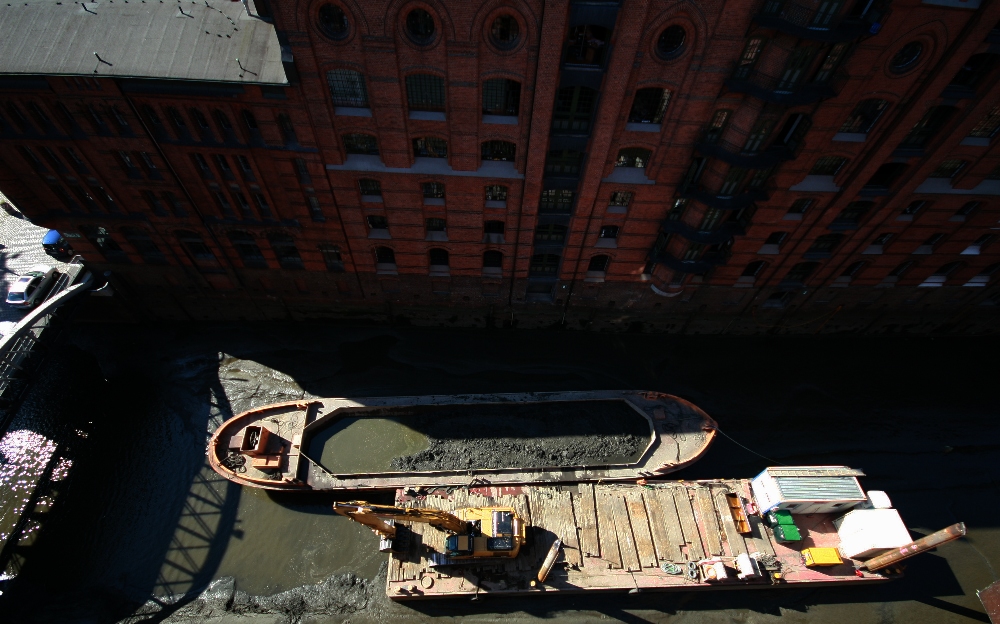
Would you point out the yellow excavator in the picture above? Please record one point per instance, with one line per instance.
(475, 532)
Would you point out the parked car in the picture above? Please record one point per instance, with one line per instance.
(30, 287)
(55, 245)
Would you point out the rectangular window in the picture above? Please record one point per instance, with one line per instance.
(370, 187)
(347, 88)
(302, 170)
(75, 160)
(360, 144)
(496, 192)
(864, 116)
(245, 168)
(828, 166)
(620, 198)
(315, 211)
(433, 190)
(435, 225)
(563, 162)
(223, 202)
(202, 164)
(262, 205)
(948, 168)
(223, 165)
(556, 200)
(378, 222)
(332, 258)
(799, 206)
(430, 147)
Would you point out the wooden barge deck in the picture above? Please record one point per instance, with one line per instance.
(616, 537)
(679, 434)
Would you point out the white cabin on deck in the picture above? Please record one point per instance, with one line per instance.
(808, 489)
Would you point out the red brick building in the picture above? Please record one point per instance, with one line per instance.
(712, 166)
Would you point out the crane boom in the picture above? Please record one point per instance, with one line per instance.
(374, 516)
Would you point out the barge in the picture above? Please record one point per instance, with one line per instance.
(268, 447)
(664, 536)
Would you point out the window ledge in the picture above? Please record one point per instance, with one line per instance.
(904, 217)
(955, 4)
(957, 219)
(769, 250)
(383, 234)
(496, 204)
(427, 116)
(439, 271)
(816, 184)
(437, 236)
(372, 199)
(971, 250)
(923, 250)
(352, 111)
(493, 238)
(628, 175)
(872, 250)
(841, 282)
(492, 272)
(617, 210)
(745, 281)
(643, 127)
(792, 216)
(850, 137)
(978, 281)
(434, 201)
(934, 281)
(607, 243)
(503, 120)
(594, 277)
(975, 141)
(427, 166)
(386, 268)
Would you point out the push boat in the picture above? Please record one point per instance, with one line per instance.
(790, 526)
(267, 447)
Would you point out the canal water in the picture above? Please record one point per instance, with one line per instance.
(115, 516)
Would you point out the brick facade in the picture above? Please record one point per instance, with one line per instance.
(731, 210)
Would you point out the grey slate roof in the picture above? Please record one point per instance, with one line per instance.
(166, 39)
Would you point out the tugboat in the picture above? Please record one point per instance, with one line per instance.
(267, 447)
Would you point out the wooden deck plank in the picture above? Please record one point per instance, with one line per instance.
(710, 520)
(610, 551)
(692, 536)
(640, 529)
(733, 539)
(657, 525)
(586, 519)
(759, 537)
(568, 529)
(626, 541)
(671, 522)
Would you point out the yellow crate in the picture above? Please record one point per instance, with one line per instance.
(821, 557)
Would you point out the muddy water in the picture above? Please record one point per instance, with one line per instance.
(133, 514)
(365, 444)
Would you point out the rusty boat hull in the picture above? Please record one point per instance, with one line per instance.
(266, 447)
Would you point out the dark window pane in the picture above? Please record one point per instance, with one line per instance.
(347, 88)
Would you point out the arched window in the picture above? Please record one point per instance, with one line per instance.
(753, 269)
(385, 255)
(573, 110)
(287, 129)
(501, 97)
(101, 239)
(949, 168)
(370, 188)
(587, 45)
(285, 250)
(599, 263)
(864, 116)
(885, 175)
(851, 215)
(823, 246)
(649, 105)
(430, 147)
(798, 274)
(332, 258)
(492, 259)
(438, 257)
(498, 150)
(347, 88)
(425, 92)
(543, 265)
(360, 144)
(929, 125)
(828, 166)
(550, 234)
(633, 157)
(143, 243)
(248, 250)
(977, 67)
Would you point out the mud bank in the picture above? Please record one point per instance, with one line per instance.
(526, 436)
(340, 595)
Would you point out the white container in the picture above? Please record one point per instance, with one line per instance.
(878, 499)
(867, 532)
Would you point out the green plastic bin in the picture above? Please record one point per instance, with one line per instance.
(787, 533)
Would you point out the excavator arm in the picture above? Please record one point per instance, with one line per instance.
(374, 516)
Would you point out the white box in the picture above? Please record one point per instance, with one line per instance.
(866, 532)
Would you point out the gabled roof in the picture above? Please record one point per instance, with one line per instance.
(166, 39)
